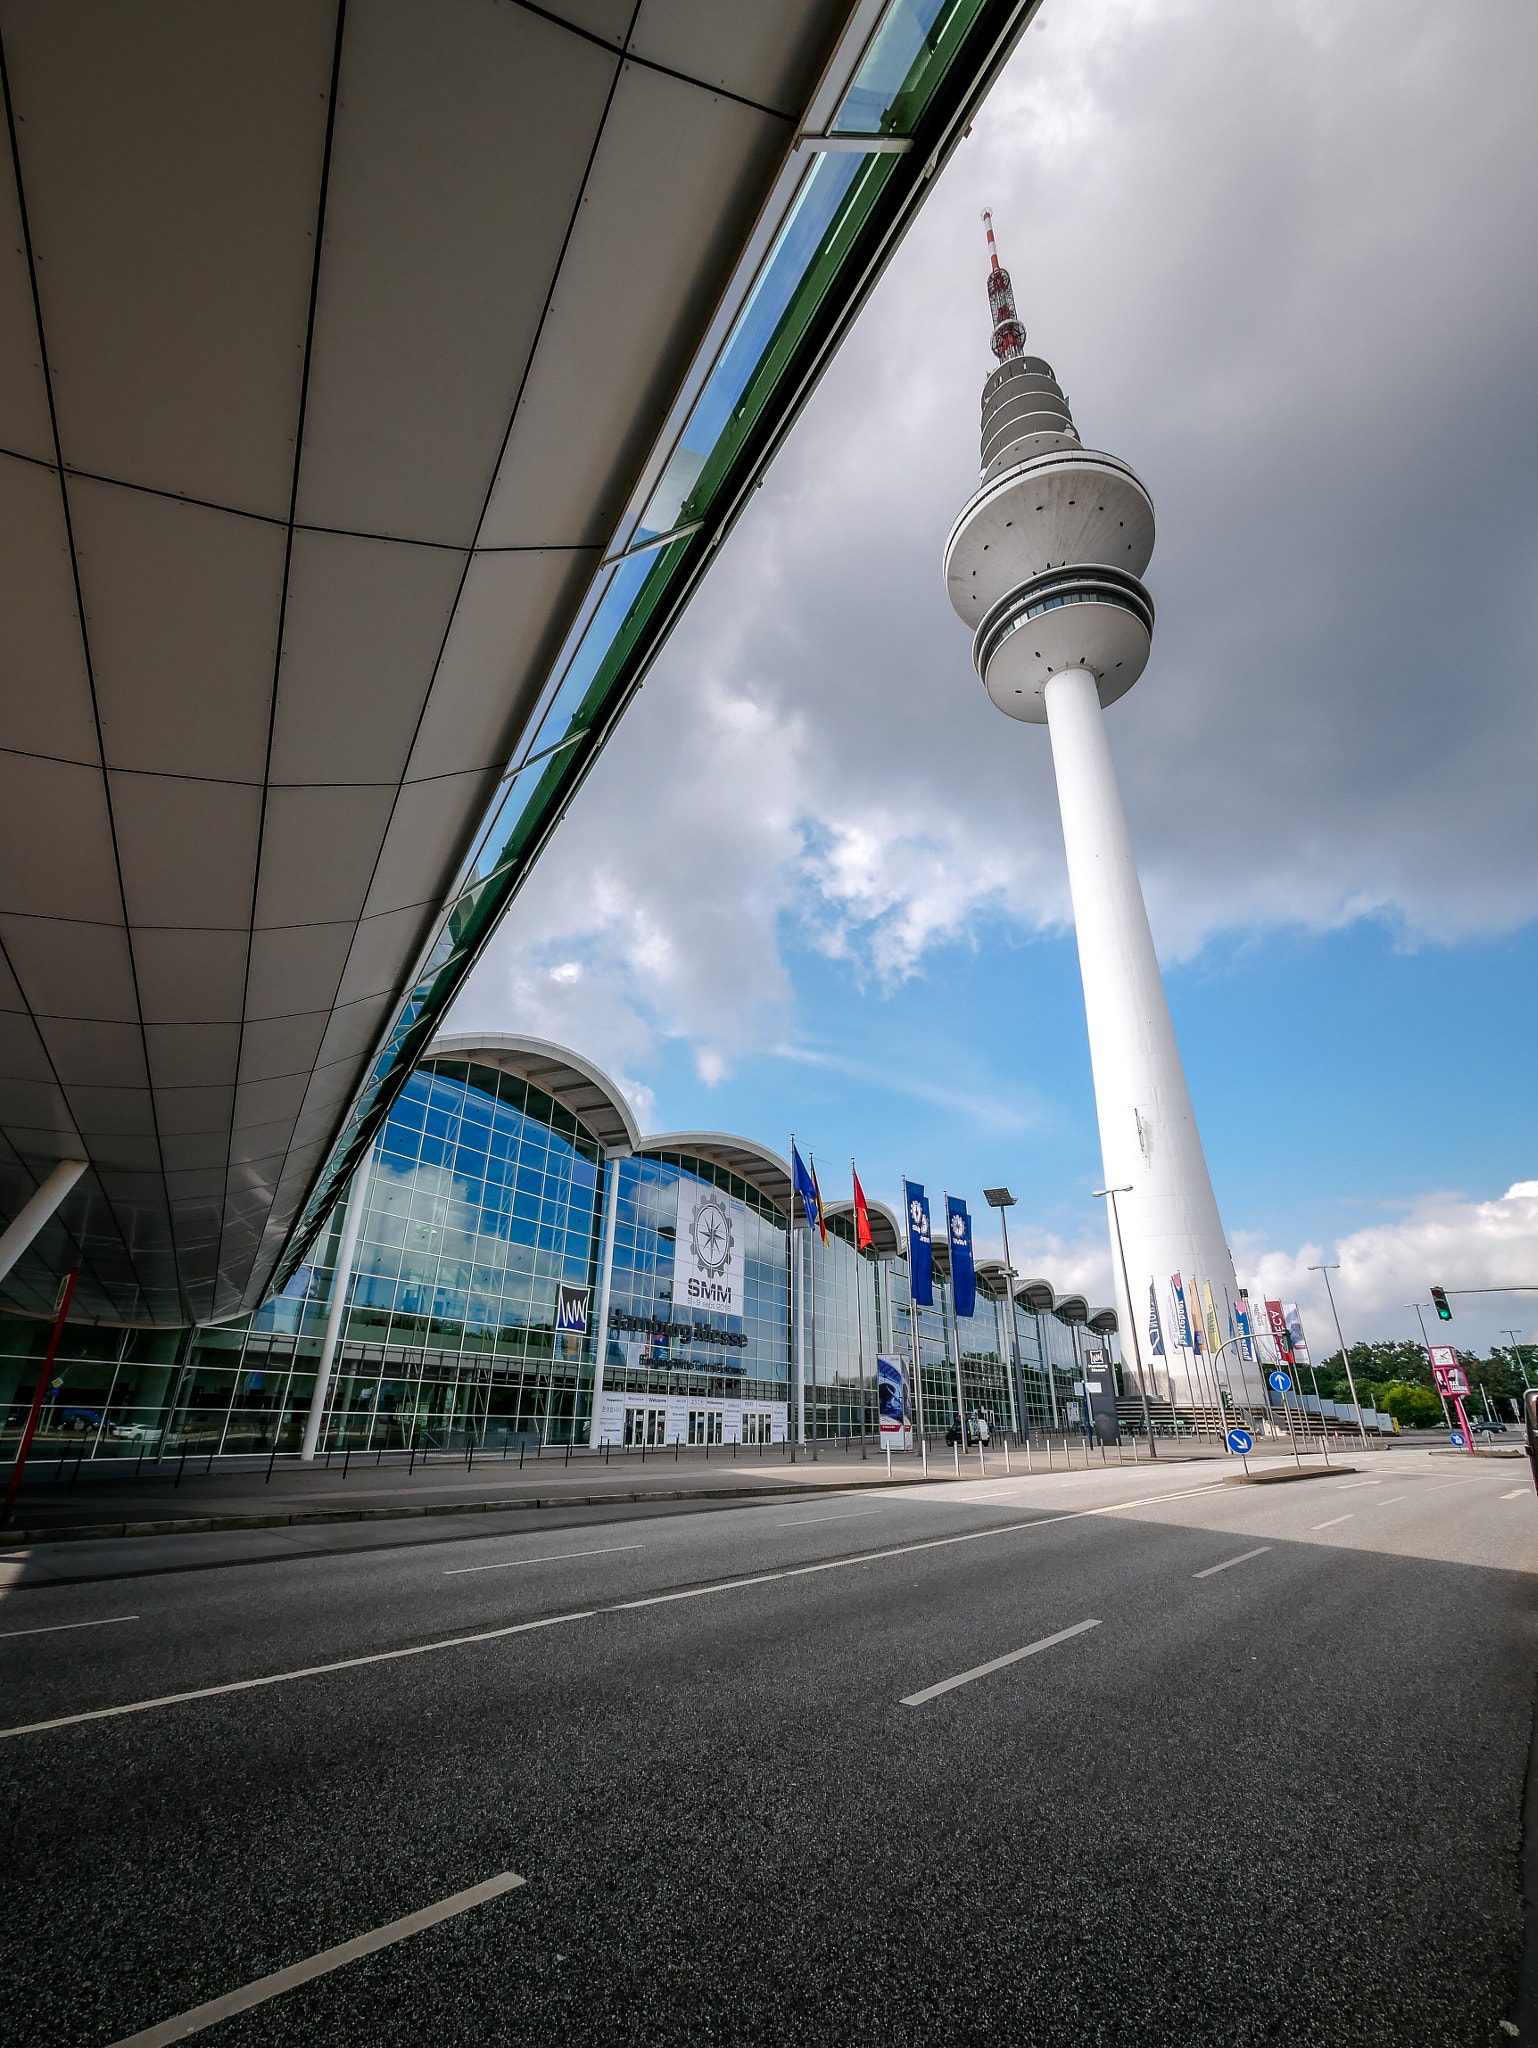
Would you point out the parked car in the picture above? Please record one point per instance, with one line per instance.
(1487, 1428)
(954, 1436)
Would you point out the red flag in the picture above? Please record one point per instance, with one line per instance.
(863, 1241)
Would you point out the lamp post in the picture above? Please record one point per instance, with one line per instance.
(1001, 1199)
(1426, 1346)
(1516, 1354)
(1345, 1356)
(1137, 1349)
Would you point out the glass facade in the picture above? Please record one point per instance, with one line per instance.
(486, 1204)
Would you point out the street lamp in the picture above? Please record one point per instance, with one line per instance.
(1345, 1355)
(1001, 1199)
(1137, 1349)
(1426, 1343)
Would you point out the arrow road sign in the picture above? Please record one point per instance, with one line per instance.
(1457, 1439)
(1240, 1441)
(1281, 1381)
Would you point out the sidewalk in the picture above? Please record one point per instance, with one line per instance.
(114, 1501)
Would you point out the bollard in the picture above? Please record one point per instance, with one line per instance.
(179, 1471)
(957, 1449)
(889, 1461)
(270, 1463)
(346, 1460)
(210, 1465)
(568, 1455)
(140, 1466)
(522, 1447)
(1006, 1457)
(1030, 1465)
(982, 1467)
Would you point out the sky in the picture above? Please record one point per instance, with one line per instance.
(1280, 257)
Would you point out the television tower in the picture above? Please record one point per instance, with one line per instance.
(1044, 565)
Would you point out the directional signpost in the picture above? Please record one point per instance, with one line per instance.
(1240, 1442)
(1282, 1382)
(1457, 1440)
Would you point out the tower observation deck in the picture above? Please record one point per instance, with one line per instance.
(1045, 564)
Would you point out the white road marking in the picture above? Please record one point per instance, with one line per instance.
(217, 2009)
(1392, 1501)
(1356, 1483)
(58, 1627)
(1332, 1522)
(808, 1520)
(558, 1557)
(795, 1571)
(931, 1692)
(1243, 1558)
(1522, 1493)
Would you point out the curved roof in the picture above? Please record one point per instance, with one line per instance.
(1072, 1309)
(756, 1164)
(886, 1238)
(993, 1279)
(574, 1082)
(1103, 1321)
(1039, 1296)
(344, 528)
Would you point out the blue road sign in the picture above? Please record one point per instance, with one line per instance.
(1456, 1439)
(1239, 1441)
(1281, 1381)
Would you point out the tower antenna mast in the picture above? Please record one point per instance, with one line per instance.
(1008, 334)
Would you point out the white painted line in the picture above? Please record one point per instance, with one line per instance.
(1332, 1523)
(59, 1627)
(795, 1571)
(1392, 1501)
(1243, 1558)
(932, 1692)
(1522, 1493)
(1358, 1483)
(509, 1564)
(329, 1959)
(808, 1520)
(209, 1692)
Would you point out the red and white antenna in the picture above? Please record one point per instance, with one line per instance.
(1008, 334)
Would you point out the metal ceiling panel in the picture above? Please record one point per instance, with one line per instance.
(39, 627)
(171, 157)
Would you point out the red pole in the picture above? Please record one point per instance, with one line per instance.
(37, 1395)
(1463, 1424)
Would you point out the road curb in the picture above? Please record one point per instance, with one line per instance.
(1285, 1478)
(203, 1525)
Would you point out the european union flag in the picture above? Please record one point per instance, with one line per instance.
(806, 1187)
(921, 1288)
(963, 1273)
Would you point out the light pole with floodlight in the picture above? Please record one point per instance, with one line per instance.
(1345, 1355)
(1001, 1199)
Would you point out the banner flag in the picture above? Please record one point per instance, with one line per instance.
(921, 1288)
(1281, 1336)
(805, 1185)
(892, 1403)
(710, 1252)
(1295, 1333)
(963, 1272)
(863, 1241)
(1241, 1317)
(1155, 1334)
(1182, 1320)
(1214, 1333)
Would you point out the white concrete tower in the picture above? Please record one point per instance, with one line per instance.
(1044, 564)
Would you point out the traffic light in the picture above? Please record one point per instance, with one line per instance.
(1439, 1303)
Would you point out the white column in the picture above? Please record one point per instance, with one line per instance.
(605, 1277)
(34, 1213)
(798, 1290)
(352, 1223)
(1148, 1136)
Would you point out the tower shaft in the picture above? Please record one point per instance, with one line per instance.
(1149, 1141)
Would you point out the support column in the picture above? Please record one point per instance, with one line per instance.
(605, 1280)
(352, 1223)
(33, 1214)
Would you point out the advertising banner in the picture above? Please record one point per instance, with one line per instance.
(1448, 1374)
(1214, 1334)
(963, 1274)
(892, 1403)
(1242, 1322)
(710, 1255)
(921, 1288)
(1155, 1334)
(1281, 1336)
(1295, 1333)
(1182, 1320)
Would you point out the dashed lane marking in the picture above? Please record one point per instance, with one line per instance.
(932, 1692)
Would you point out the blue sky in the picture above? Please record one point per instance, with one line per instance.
(817, 881)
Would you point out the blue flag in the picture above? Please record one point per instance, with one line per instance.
(963, 1274)
(806, 1187)
(1155, 1334)
(921, 1289)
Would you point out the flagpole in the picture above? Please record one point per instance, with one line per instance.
(961, 1412)
(913, 1336)
(811, 1273)
(859, 1304)
(798, 1333)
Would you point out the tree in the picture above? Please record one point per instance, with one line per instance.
(1401, 1363)
(1412, 1407)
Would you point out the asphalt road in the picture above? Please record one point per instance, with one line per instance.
(1278, 1801)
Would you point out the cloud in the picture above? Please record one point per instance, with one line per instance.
(1444, 1238)
(1270, 251)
